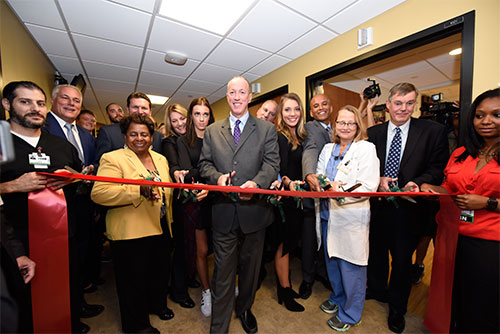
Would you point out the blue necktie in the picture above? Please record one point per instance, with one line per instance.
(237, 132)
(392, 165)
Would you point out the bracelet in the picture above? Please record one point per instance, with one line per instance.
(492, 204)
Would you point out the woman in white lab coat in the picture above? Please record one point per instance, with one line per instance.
(343, 224)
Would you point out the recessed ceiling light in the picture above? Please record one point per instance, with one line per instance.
(215, 16)
(157, 99)
(455, 52)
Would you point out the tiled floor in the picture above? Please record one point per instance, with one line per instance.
(271, 317)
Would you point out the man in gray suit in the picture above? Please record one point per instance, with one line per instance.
(318, 134)
(241, 150)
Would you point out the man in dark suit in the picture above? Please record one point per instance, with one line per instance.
(61, 121)
(243, 151)
(111, 138)
(318, 134)
(411, 152)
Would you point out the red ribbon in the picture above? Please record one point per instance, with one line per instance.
(438, 316)
(227, 189)
(48, 240)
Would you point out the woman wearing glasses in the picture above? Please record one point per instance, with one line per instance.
(350, 163)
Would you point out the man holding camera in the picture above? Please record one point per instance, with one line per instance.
(411, 152)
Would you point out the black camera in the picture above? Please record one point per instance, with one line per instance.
(371, 91)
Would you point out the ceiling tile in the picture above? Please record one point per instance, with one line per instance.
(320, 10)
(166, 83)
(236, 55)
(417, 73)
(269, 65)
(155, 62)
(109, 96)
(146, 5)
(277, 23)
(251, 77)
(170, 36)
(101, 51)
(308, 42)
(43, 13)
(155, 90)
(214, 73)
(66, 64)
(110, 72)
(130, 26)
(110, 85)
(202, 87)
(52, 41)
(359, 13)
(183, 98)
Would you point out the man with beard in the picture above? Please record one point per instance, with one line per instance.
(114, 112)
(26, 103)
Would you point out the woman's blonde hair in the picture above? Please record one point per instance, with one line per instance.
(169, 131)
(281, 127)
(360, 126)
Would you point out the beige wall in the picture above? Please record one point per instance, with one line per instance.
(404, 20)
(22, 59)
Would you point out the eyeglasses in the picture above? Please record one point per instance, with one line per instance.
(348, 124)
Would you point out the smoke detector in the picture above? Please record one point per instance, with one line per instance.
(175, 58)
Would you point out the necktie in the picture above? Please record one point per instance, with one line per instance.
(329, 129)
(392, 165)
(72, 139)
(237, 132)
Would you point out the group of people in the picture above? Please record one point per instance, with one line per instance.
(345, 242)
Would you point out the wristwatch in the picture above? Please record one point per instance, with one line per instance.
(492, 204)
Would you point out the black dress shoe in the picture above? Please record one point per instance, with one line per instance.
(90, 288)
(396, 321)
(89, 310)
(186, 303)
(81, 328)
(165, 314)
(305, 290)
(248, 322)
(370, 295)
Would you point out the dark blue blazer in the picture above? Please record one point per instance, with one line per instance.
(88, 141)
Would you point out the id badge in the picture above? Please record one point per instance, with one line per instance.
(345, 168)
(467, 216)
(39, 160)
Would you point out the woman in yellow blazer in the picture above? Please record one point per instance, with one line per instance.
(137, 223)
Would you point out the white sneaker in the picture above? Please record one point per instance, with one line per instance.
(206, 302)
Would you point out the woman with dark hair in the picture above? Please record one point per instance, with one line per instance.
(285, 234)
(472, 176)
(137, 223)
(175, 126)
(343, 224)
(196, 214)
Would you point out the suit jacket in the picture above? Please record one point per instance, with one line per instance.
(130, 215)
(111, 138)
(88, 142)
(317, 137)
(256, 158)
(424, 159)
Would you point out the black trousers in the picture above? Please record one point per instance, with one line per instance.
(141, 273)
(313, 261)
(476, 287)
(390, 231)
(234, 250)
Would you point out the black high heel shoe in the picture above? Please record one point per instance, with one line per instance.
(286, 295)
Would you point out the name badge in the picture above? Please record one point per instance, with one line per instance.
(39, 160)
(344, 167)
(467, 216)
